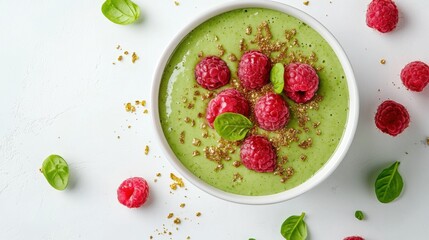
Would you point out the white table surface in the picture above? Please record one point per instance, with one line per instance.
(60, 93)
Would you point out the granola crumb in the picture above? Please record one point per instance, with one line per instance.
(146, 150)
(143, 102)
(237, 177)
(303, 157)
(120, 58)
(182, 205)
(177, 221)
(176, 3)
(427, 140)
(158, 174)
(249, 30)
(170, 215)
(306, 3)
(198, 214)
(118, 46)
(145, 111)
(182, 137)
(236, 164)
(196, 153)
(200, 54)
(177, 182)
(196, 142)
(126, 52)
(232, 57)
(134, 57)
(383, 61)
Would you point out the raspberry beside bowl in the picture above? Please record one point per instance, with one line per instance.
(323, 172)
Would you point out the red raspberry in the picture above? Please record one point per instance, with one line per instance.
(254, 70)
(392, 118)
(133, 192)
(258, 154)
(271, 112)
(382, 15)
(354, 238)
(301, 82)
(229, 100)
(212, 73)
(415, 76)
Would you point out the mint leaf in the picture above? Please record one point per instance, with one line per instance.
(359, 215)
(232, 126)
(120, 11)
(389, 184)
(294, 228)
(277, 77)
(56, 171)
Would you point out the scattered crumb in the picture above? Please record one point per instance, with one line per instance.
(306, 3)
(120, 58)
(118, 46)
(198, 214)
(158, 174)
(383, 61)
(126, 52)
(170, 215)
(119, 137)
(182, 205)
(427, 140)
(145, 111)
(177, 221)
(146, 150)
(129, 126)
(176, 3)
(134, 57)
(177, 182)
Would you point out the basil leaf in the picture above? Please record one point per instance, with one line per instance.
(56, 171)
(277, 77)
(121, 11)
(294, 228)
(359, 215)
(232, 126)
(389, 184)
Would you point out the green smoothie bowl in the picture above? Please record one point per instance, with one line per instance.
(254, 102)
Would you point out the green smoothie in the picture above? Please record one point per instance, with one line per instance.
(313, 131)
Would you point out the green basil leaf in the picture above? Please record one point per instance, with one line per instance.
(56, 171)
(277, 77)
(121, 11)
(359, 215)
(389, 184)
(294, 228)
(232, 126)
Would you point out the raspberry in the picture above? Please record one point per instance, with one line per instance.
(301, 82)
(354, 238)
(258, 154)
(254, 70)
(415, 76)
(229, 100)
(382, 15)
(271, 112)
(212, 73)
(133, 192)
(392, 118)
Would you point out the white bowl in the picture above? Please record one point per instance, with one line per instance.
(343, 145)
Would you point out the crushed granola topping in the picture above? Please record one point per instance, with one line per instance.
(170, 215)
(237, 177)
(182, 137)
(195, 153)
(306, 143)
(196, 142)
(146, 150)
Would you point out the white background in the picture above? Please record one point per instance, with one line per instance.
(60, 93)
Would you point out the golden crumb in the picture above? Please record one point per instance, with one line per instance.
(306, 3)
(146, 150)
(232, 57)
(237, 177)
(170, 215)
(198, 214)
(145, 111)
(236, 164)
(182, 205)
(177, 182)
(383, 61)
(176, 3)
(177, 221)
(196, 153)
(196, 142)
(306, 143)
(119, 137)
(128, 107)
(200, 54)
(120, 58)
(188, 237)
(303, 157)
(126, 52)
(137, 102)
(118, 46)
(129, 126)
(221, 50)
(249, 30)
(158, 174)
(134, 57)
(143, 102)
(182, 137)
